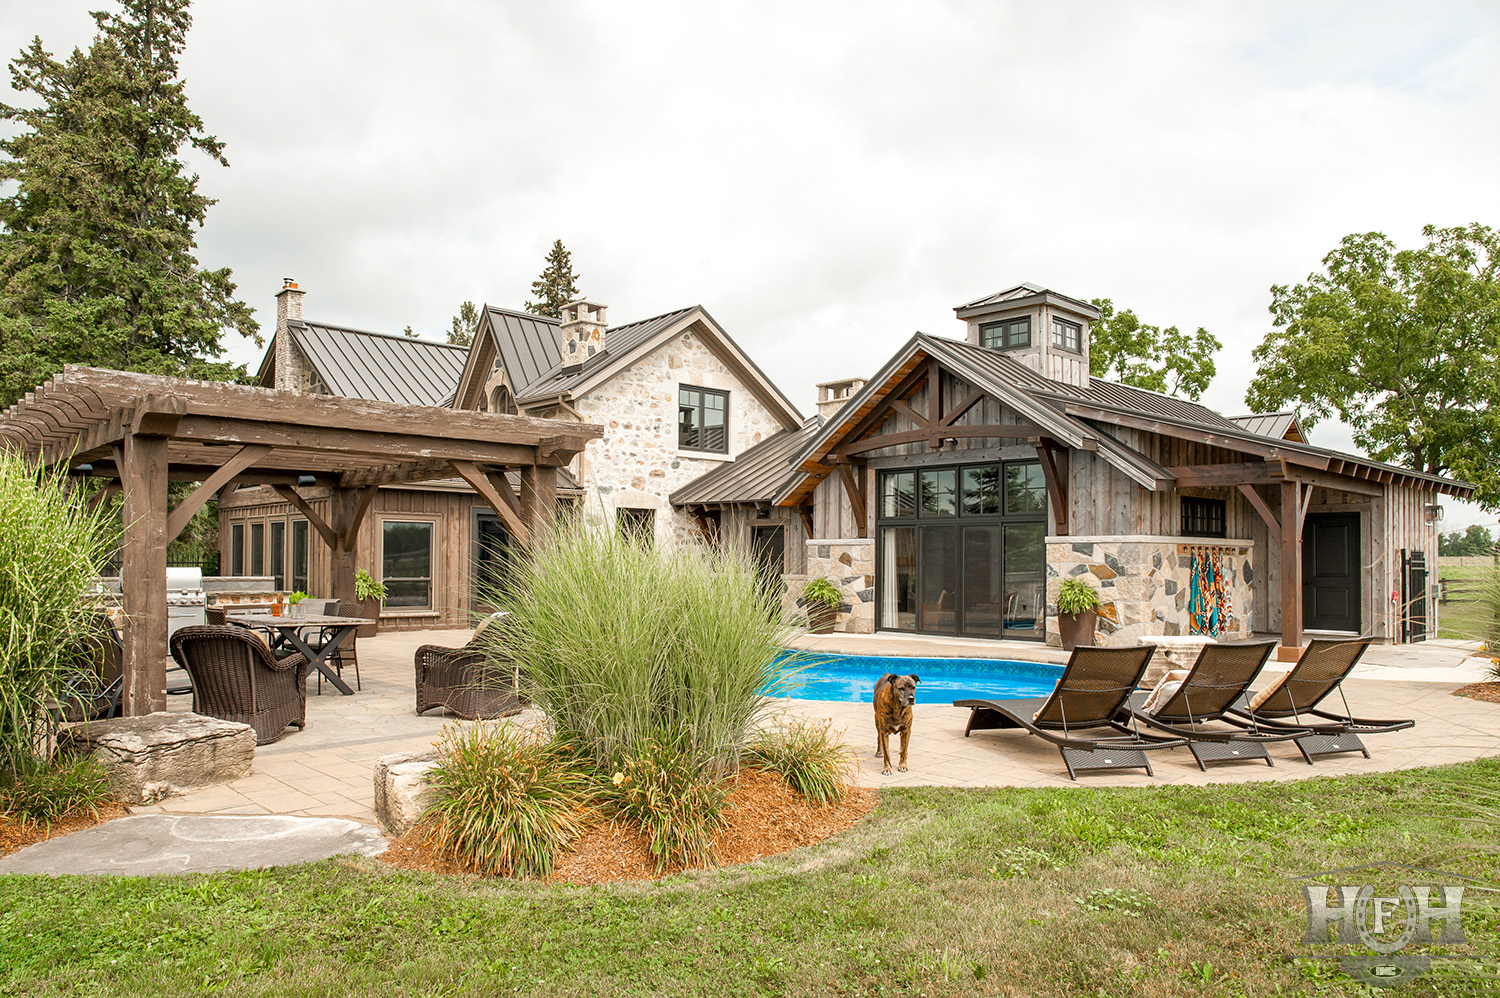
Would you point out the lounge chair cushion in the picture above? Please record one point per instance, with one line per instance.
(1166, 687)
(1268, 692)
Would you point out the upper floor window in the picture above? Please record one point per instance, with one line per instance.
(703, 419)
(1007, 334)
(1203, 517)
(1067, 335)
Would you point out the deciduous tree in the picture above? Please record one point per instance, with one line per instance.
(1122, 348)
(98, 227)
(1401, 345)
(557, 286)
(465, 323)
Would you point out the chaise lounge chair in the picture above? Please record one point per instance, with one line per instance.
(1291, 703)
(1090, 695)
(1217, 680)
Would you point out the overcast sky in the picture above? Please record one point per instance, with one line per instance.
(827, 179)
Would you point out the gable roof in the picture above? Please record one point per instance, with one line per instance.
(621, 345)
(756, 475)
(1281, 425)
(1081, 417)
(1021, 293)
(357, 363)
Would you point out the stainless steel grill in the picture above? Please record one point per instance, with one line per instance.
(185, 599)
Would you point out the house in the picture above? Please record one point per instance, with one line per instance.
(952, 492)
(677, 397)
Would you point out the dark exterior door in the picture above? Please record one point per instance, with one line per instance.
(768, 544)
(1330, 572)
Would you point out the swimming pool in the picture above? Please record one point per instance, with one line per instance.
(851, 678)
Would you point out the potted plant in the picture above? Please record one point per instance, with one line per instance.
(370, 592)
(1076, 613)
(295, 599)
(821, 599)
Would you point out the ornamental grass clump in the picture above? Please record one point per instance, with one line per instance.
(661, 789)
(39, 793)
(51, 548)
(808, 756)
(505, 800)
(618, 643)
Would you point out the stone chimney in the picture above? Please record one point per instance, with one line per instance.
(291, 372)
(833, 394)
(581, 334)
(1041, 329)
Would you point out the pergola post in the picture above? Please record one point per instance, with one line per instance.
(538, 498)
(1291, 571)
(143, 577)
(348, 507)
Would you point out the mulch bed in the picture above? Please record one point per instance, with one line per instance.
(14, 835)
(765, 817)
(1488, 692)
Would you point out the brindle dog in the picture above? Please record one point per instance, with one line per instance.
(894, 696)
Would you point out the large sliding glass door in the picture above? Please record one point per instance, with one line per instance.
(963, 550)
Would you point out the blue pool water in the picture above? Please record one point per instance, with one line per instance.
(852, 678)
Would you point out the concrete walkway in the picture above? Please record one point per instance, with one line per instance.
(326, 770)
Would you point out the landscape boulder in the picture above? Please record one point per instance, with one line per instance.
(164, 754)
(401, 786)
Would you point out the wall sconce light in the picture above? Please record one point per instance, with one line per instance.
(305, 481)
(1433, 512)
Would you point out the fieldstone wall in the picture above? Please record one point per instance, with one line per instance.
(637, 462)
(1144, 583)
(848, 563)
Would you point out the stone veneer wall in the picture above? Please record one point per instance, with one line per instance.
(637, 463)
(848, 563)
(1143, 582)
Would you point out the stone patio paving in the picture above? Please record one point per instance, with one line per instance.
(326, 770)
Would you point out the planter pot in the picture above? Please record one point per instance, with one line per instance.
(370, 610)
(821, 617)
(1076, 629)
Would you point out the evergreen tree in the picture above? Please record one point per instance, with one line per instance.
(98, 229)
(465, 324)
(557, 286)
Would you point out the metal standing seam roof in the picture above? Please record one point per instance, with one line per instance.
(1272, 424)
(619, 343)
(757, 474)
(525, 344)
(355, 363)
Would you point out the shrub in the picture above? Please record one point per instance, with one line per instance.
(618, 642)
(367, 587)
(1076, 596)
(504, 799)
(51, 547)
(41, 792)
(662, 789)
(807, 756)
(822, 592)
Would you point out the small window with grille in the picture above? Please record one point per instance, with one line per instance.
(1202, 517)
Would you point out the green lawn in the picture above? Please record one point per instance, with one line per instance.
(1458, 618)
(1087, 891)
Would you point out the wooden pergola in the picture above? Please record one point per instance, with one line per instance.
(139, 431)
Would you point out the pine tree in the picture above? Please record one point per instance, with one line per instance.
(557, 286)
(98, 233)
(465, 323)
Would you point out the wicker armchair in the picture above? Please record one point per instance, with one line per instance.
(470, 681)
(95, 693)
(236, 678)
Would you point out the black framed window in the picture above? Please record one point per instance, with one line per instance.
(257, 549)
(1006, 335)
(703, 419)
(637, 525)
(1203, 517)
(299, 556)
(406, 564)
(276, 552)
(1067, 335)
(237, 549)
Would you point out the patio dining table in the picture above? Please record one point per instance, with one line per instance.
(289, 628)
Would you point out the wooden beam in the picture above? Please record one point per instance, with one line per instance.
(1359, 486)
(1291, 568)
(401, 445)
(805, 513)
(222, 476)
(958, 412)
(481, 483)
(1226, 475)
(910, 413)
(347, 508)
(1202, 434)
(349, 531)
(143, 574)
(294, 497)
(881, 410)
(1057, 477)
(502, 486)
(539, 498)
(856, 494)
(934, 392)
(102, 496)
(1273, 525)
(158, 416)
(932, 435)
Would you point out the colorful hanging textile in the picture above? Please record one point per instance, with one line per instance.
(1210, 602)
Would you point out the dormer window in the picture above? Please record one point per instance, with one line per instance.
(1067, 335)
(1006, 335)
